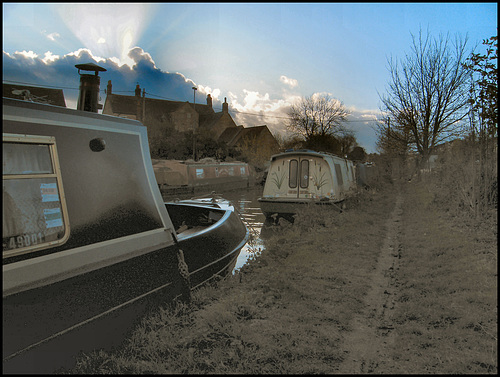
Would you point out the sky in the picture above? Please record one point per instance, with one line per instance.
(259, 57)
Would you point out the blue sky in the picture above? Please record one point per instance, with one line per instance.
(260, 56)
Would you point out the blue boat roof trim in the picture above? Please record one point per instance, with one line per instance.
(305, 152)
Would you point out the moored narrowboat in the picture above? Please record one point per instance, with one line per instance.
(303, 177)
(192, 177)
(88, 242)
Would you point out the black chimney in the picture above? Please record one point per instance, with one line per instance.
(89, 87)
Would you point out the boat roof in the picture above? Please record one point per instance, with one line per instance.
(52, 109)
(304, 152)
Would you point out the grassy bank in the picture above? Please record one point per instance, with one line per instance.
(290, 310)
(446, 308)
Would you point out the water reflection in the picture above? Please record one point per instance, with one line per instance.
(245, 201)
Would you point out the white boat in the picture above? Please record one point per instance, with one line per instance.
(303, 177)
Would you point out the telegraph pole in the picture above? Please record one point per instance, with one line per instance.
(194, 123)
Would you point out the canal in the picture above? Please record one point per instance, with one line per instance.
(246, 203)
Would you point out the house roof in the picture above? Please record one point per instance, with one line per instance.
(208, 120)
(232, 136)
(127, 105)
(118, 104)
(34, 93)
(249, 132)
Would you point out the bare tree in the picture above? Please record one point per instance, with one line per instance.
(393, 141)
(427, 97)
(318, 115)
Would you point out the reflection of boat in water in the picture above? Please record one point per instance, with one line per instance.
(303, 177)
(88, 242)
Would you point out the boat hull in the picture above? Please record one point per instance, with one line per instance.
(212, 251)
(50, 325)
(44, 328)
(289, 207)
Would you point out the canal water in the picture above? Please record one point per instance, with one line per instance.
(246, 203)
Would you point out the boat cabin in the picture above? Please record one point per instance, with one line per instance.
(305, 176)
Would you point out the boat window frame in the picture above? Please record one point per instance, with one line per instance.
(304, 180)
(295, 173)
(338, 173)
(50, 141)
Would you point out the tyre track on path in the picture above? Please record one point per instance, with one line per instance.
(367, 346)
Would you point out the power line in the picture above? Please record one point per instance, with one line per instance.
(171, 99)
(37, 85)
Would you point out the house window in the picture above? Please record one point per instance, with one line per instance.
(35, 214)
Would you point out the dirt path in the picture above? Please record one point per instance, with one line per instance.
(367, 345)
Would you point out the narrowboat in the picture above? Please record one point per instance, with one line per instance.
(192, 177)
(89, 244)
(303, 177)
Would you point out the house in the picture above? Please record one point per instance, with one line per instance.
(159, 115)
(35, 94)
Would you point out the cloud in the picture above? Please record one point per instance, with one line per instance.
(53, 36)
(248, 108)
(362, 122)
(59, 71)
(49, 57)
(292, 83)
(260, 109)
(101, 40)
(86, 53)
(28, 54)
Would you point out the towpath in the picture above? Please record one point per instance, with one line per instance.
(367, 345)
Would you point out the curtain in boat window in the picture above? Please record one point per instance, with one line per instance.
(338, 173)
(304, 173)
(292, 176)
(34, 212)
(26, 158)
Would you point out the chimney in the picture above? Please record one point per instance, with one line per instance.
(109, 88)
(209, 101)
(138, 110)
(225, 106)
(88, 98)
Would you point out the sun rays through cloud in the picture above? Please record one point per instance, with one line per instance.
(107, 29)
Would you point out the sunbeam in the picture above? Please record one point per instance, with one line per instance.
(107, 29)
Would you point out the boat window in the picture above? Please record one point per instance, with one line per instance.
(200, 173)
(304, 173)
(34, 208)
(292, 176)
(338, 172)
